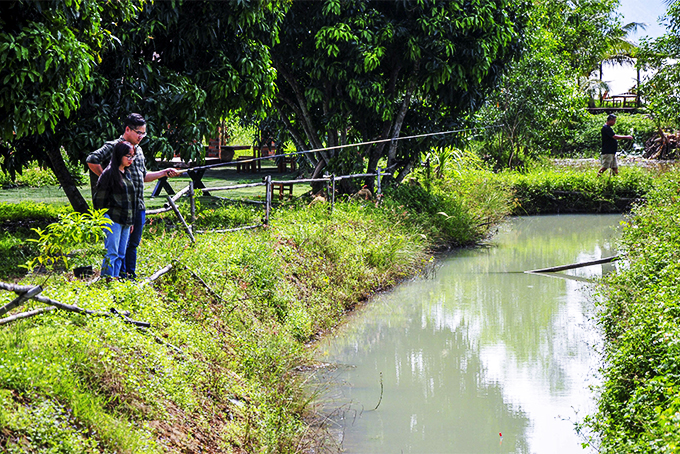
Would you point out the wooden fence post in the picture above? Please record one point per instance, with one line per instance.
(268, 199)
(379, 190)
(181, 218)
(332, 192)
(192, 202)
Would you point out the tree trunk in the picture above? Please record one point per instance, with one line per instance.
(663, 147)
(405, 171)
(398, 122)
(66, 180)
(297, 139)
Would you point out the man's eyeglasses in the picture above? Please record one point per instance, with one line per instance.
(140, 133)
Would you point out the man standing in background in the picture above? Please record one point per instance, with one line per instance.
(134, 130)
(609, 146)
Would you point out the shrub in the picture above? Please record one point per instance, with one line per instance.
(33, 176)
(37, 176)
(547, 190)
(459, 208)
(73, 230)
(640, 315)
(587, 139)
(32, 211)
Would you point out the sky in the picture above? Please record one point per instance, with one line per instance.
(622, 78)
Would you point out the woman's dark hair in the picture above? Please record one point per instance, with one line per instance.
(111, 178)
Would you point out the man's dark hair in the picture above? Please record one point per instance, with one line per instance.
(609, 117)
(133, 120)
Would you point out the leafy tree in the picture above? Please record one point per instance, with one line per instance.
(585, 30)
(48, 51)
(620, 49)
(350, 71)
(532, 109)
(661, 56)
(540, 100)
(183, 65)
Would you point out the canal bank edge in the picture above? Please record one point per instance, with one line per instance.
(639, 401)
(236, 374)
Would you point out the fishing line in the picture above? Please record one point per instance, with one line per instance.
(338, 147)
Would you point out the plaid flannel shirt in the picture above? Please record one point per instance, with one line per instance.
(121, 203)
(136, 171)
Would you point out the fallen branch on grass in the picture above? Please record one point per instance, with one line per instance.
(21, 315)
(204, 284)
(28, 292)
(158, 274)
(24, 295)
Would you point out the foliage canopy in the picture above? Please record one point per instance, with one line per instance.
(358, 71)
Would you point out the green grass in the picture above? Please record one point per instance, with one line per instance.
(549, 189)
(53, 194)
(639, 400)
(217, 368)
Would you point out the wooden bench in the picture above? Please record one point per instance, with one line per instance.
(246, 166)
(283, 187)
(281, 163)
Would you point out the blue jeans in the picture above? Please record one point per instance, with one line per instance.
(129, 267)
(116, 242)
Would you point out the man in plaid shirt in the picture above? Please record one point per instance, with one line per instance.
(134, 131)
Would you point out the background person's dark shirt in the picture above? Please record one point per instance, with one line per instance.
(608, 141)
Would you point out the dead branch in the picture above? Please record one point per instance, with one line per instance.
(28, 292)
(21, 315)
(158, 273)
(574, 265)
(204, 284)
(21, 299)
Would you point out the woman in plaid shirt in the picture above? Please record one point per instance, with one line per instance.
(116, 192)
(134, 130)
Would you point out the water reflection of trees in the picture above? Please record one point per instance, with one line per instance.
(436, 395)
(431, 340)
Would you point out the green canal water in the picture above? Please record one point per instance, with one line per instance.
(479, 357)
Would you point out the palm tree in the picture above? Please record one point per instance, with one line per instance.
(620, 50)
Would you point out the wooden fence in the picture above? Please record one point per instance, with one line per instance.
(269, 185)
(26, 293)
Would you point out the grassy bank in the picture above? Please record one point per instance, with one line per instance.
(216, 372)
(218, 369)
(639, 407)
(554, 190)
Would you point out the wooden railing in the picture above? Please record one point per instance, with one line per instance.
(269, 185)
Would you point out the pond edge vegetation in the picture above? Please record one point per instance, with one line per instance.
(220, 368)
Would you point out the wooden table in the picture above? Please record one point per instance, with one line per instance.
(623, 99)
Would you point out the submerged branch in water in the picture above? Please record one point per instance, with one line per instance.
(381, 392)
